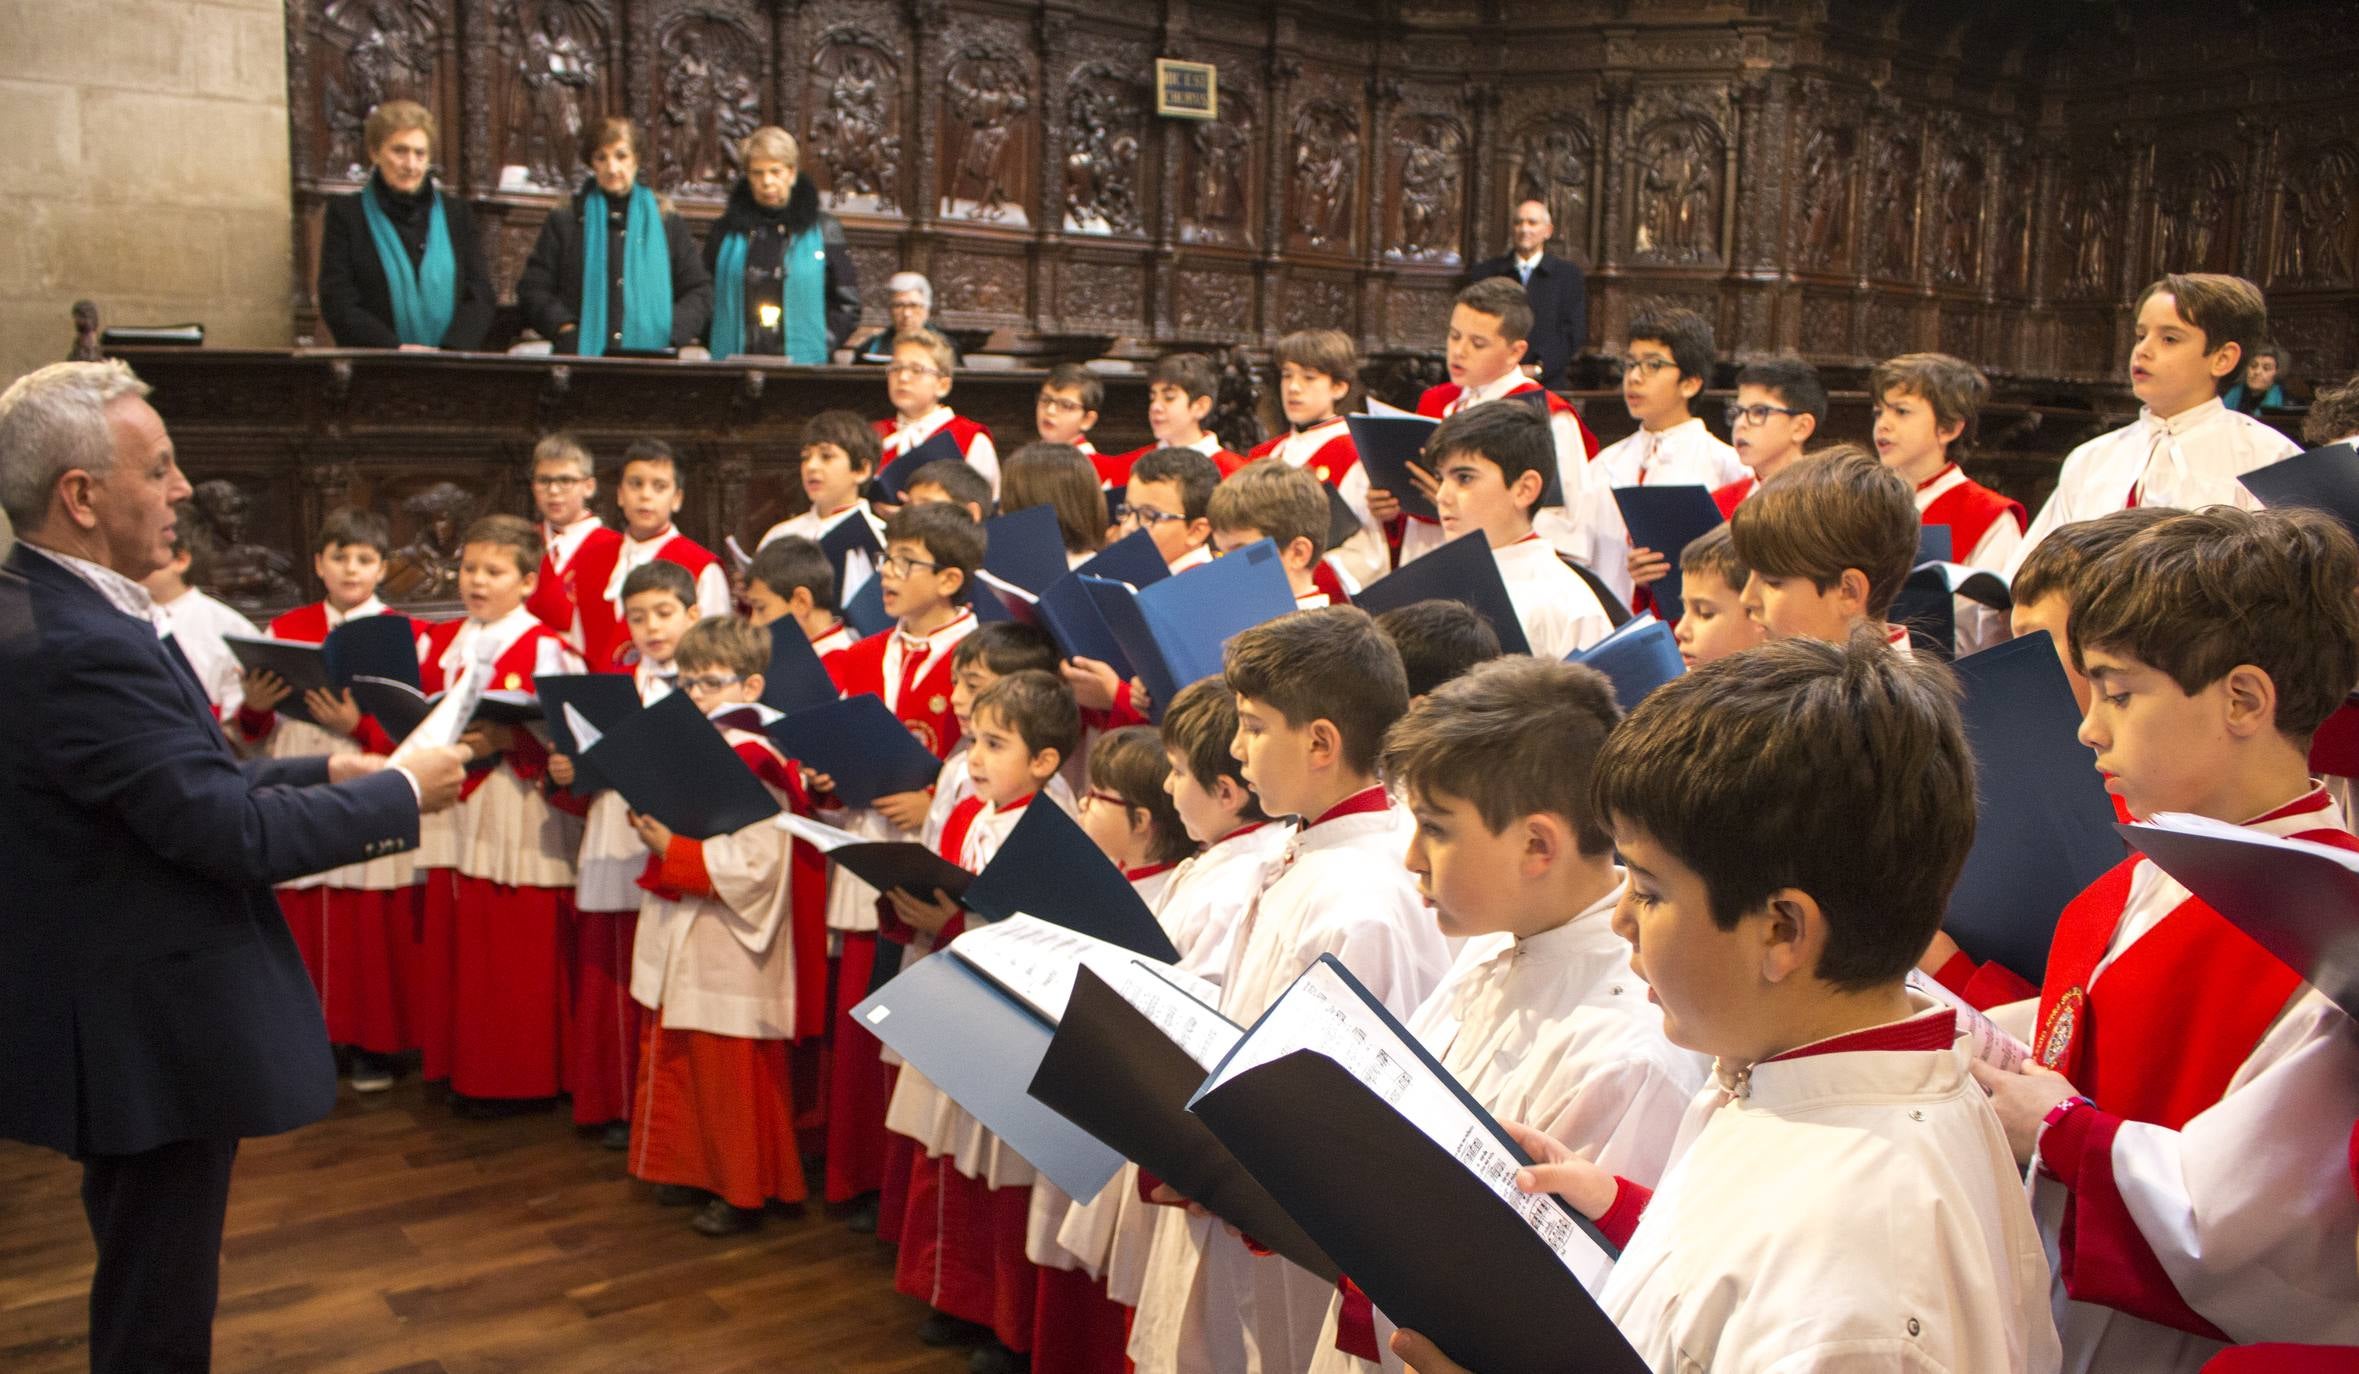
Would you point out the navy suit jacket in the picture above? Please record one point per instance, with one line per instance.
(149, 989)
(1560, 310)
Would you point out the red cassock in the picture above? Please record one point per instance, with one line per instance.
(1969, 509)
(1114, 468)
(963, 432)
(578, 587)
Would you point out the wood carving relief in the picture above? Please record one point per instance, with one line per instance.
(1325, 186)
(1549, 160)
(375, 51)
(553, 58)
(2314, 230)
(1960, 180)
(2088, 234)
(1210, 304)
(1822, 222)
(1895, 166)
(1220, 176)
(711, 99)
(1676, 165)
(1104, 121)
(853, 94)
(986, 96)
(2196, 201)
(1428, 190)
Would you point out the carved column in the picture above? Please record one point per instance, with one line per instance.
(921, 117)
(1284, 68)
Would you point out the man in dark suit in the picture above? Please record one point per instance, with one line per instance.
(153, 1009)
(1559, 296)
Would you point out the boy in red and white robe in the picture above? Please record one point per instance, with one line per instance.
(578, 550)
(650, 493)
(918, 383)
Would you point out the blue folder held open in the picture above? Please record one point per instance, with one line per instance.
(1462, 570)
(796, 680)
(1173, 631)
(1639, 656)
(1388, 444)
(1666, 519)
(1025, 547)
(861, 744)
(2324, 478)
(891, 484)
(1049, 868)
(671, 763)
(1071, 616)
(605, 700)
(2297, 899)
(375, 646)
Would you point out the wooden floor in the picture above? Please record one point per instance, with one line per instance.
(391, 1237)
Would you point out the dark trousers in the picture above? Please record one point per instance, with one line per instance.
(157, 1218)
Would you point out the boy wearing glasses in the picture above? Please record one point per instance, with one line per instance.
(1068, 406)
(564, 482)
(918, 382)
(1170, 497)
(1665, 366)
(1779, 406)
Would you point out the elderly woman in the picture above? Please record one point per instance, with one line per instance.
(910, 299)
(399, 266)
(613, 270)
(784, 283)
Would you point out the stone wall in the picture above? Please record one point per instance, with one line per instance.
(143, 164)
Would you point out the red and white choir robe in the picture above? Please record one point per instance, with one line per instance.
(953, 784)
(1847, 1205)
(912, 676)
(1557, 1033)
(962, 1226)
(1685, 454)
(514, 890)
(1575, 446)
(1555, 605)
(197, 624)
(2277, 1358)
(2191, 459)
(357, 926)
(1114, 468)
(814, 525)
(1985, 529)
(712, 580)
(1728, 498)
(729, 962)
(1208, 1302)
(576, 564)
(2200, 1197)
(974, 441)
(602, 1020)
(1327, 450)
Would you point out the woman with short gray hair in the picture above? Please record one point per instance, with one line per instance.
(784, 284)
(909, 299)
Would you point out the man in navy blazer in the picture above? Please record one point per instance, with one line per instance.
(153, 1009)
(1559, 295)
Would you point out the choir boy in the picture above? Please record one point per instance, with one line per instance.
(1829, 544)
(962, 1233)
(1840, 1194)
(581, 550)
(1077, 1326)
(1780, 404)
(1318, 369)
(197, 623)
(2185, 449)
(1925, 408)
(515, 853)
(1170, 497)
(954, 481)
(721, 974)
(839, 453)
(1067, 407)
(602, 1020)
(1438, 641)
(650, 492)
(1316, 691)
(1712, 619)
(931, 553)
(366, 913)
(1266, 499)
(2191, 1095)
(1666, 364)
(1181, 391)
(791, 579)
(992, 652)
(1490, 328)
(1540, 1016)
(1490, 463)
(918, 382)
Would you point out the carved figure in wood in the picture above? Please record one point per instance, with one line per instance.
(427, 567)
(1679, 192)
(711, 102)
(221, 560)
(388, 48)
(986, 97)
(853, 129)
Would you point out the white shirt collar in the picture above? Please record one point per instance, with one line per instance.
(2186, 419)
(1527, 264)
(363, 611)
(121, 592)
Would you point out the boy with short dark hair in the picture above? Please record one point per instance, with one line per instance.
(1265, 499)
(1491, 463)
(839, 456)
(1666, 364)
(1068, 405)
(2193, 333)
(2191, 1094)
(1315, 692)
(1318, 374)
(792, 579)
(1925, 406)
(957, 482)
(1170, 497)
(581, 549)
(650, 492)
(1000, 649)
(1712, 620)
(1791, 821)
(1438, 641)
(1182, 389)
(1829, 543)
(918, 382)
(1536, 1017)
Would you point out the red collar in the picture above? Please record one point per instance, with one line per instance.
(1360, 803)
(829, 633)
(2316, 799)
(1946, 470)
(1529, 536)
(1246, 829)
(1141, 874)
(1896, 634)
(926, 640)
(1934, 1029)
(830, 515)
(657, 540)
(1013, 807)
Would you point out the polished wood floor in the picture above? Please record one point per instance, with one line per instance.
(391, 1237)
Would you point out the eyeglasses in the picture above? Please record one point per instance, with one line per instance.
(559, 483)
(902, 565)
(1061, 404)
(1647, 364)
(1103, 798)
(1147, 517)
(912, 370)
(1754, 415)
(712, 682)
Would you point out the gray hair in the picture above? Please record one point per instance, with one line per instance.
(910, 281)
(52, 421)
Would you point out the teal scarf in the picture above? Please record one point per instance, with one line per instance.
(647, 275)
(805, 307)
(424, 296)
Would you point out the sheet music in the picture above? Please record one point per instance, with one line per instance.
(1378, 407)
(820, 836)
(1179, 1004)
(2188, 823)
(448, 720)
(1321, 1014)
(1036, 961)
(1988, 1041)
(1005, 587)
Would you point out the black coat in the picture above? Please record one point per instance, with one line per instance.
(768, 232)
(149, 990)
(1560, 310)
(550, 290)
(356, 303)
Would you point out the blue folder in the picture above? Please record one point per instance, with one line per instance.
(1133, 558)
(866, 612)
(1462, 570)
(981, 1047)
(1049, 868)
(2325, 478)
(796, 680)
(1637, 657)
(860, 743)
(1173, 632)
(604, 700)
(2301, 907)
(1387, 445)
(671, 763)
(378, 646)
(1666, 519)
(2044, 824)
(1934, 544)
(891, 485)
(1071, 615)
(849, 536)
(1025, 547)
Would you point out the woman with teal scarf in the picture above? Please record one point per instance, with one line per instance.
(783, 280)
(399, 266)
(613, 271)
